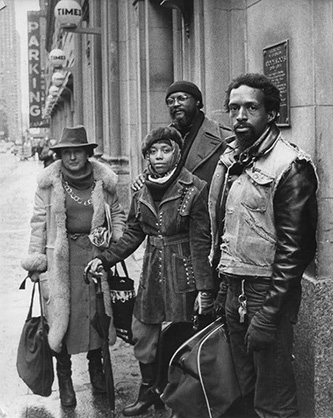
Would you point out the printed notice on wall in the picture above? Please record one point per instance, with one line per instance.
(276, 68)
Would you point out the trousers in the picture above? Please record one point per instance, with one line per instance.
(145, 337)
(268, 373)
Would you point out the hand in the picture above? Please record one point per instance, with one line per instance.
(220, 300)
(260, 334)
(34, 276)
(94, 269)
(138, 183)
(204, 303)
(201, 321)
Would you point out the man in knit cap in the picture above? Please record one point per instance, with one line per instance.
(204, 139)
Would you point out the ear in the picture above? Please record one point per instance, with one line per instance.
(271, 115)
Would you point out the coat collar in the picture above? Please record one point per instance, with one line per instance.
(262, 146)
(51, 175)
(175, 191)
(208, 140)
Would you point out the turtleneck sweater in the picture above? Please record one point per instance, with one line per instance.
(78, 189)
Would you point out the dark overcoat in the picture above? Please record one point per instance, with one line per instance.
(175, 264)
(209, 143)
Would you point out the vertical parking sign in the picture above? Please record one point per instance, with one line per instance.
(35, 76)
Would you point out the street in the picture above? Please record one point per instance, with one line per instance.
(17, 188)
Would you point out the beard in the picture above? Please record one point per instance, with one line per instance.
(184, 120)
(245, 139)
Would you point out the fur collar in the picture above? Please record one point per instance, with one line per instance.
(52, 175)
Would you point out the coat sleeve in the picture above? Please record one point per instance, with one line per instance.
(36, 258)
(132, 237)
(200, 241)
(118, 218)
(295, 211)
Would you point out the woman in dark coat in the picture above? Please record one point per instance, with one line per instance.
(171, 211)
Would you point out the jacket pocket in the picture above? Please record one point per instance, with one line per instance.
(257, 191)
(182, 272)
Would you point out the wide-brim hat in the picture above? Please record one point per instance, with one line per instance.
(75, 137)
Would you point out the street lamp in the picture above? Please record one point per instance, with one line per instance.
(69, 14)
(57, 57)
(58, 78)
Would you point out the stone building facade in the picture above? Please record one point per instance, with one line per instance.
(115, 85)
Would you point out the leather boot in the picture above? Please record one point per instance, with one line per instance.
(64, 373)
(96, 373)
(148, 395)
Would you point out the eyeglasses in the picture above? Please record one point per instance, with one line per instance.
(181, 99)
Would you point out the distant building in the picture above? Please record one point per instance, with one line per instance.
(10, 90)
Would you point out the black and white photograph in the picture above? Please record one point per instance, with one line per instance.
(165, 210)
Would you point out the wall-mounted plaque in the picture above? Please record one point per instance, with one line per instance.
(276, 68)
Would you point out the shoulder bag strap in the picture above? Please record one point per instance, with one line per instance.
(41, 305)
(31, 302)
(22, 287)
(123, 265)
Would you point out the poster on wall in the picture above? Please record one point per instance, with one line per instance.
(276, 68)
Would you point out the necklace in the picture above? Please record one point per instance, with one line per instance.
(77, 199)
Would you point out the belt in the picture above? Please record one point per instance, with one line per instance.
(77, 235)
(233, 279)
(160, 241)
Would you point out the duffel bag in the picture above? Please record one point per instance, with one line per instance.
(201, 377)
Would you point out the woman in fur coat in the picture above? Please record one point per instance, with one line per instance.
(69, 205)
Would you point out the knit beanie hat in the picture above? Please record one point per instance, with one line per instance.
(169, 133)
(186, 87)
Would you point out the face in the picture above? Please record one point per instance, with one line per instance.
(248, 115)
(183, 109)
(160, 156)
(74, 159)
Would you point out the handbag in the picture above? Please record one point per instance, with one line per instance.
(34, 357)
(122, 301)
(201, 379)
(101, 236)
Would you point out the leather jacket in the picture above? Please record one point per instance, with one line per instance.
(288, 218)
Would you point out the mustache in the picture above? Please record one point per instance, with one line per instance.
(174, 111)
(242, 125)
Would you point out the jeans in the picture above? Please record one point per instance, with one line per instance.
(268, 373)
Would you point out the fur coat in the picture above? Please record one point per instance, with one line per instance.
(49, 250)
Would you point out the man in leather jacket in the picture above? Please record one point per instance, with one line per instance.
(263, 214)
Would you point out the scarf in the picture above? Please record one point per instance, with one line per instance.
(158, 188)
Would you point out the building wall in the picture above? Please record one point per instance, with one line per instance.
(145, 47)
(227, 38)
(254, 25)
